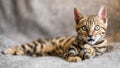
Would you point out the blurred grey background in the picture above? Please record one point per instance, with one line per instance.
(26, 20)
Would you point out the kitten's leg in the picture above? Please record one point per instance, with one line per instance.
(17, 50)
(101, 48)
(36, 48)
(72, 55)
(74, 59)
(26, 49)
(89, 51)
(96, 50)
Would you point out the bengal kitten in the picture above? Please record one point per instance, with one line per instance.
(88, 43)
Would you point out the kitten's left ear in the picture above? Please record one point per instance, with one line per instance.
(102, 14)
(78, 16)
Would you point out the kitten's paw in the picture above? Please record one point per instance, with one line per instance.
(13, 51)
(89, 51)
(74, 59)
(8, 52)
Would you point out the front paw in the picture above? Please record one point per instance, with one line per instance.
(74, 59)
(89, 55)
(89, 52)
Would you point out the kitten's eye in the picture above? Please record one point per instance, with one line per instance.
(84, 28)
(97, 27)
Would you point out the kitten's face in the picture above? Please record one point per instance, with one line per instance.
(91, 28)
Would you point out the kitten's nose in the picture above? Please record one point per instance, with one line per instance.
(90, 36)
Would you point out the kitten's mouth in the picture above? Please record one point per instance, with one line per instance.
(90, 40)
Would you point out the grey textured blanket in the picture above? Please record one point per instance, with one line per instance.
(108, 60)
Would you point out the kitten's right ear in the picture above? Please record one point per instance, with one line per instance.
(102, 14)
(78, 15)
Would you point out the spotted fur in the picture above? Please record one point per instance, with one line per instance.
(88, 43)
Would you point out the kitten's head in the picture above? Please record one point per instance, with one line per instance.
(91, 28)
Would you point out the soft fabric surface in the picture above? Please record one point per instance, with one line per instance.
(110, 59)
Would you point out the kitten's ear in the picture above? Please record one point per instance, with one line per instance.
(78, 15)
(102, 14)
